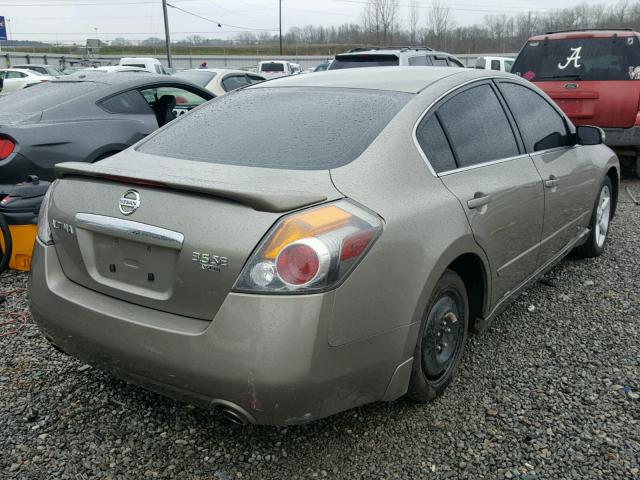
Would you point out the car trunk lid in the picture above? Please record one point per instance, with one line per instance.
(176, 241)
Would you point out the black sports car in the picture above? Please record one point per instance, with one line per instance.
(86, 117)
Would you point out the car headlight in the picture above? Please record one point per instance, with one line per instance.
(44, 229)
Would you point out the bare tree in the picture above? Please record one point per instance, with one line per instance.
(440, 22)
(380, 19)
(414, 18)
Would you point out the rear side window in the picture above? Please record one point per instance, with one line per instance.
(291, 128)
(131, 102)
(477, 127)
(455, 63)
(541, 125)
(254, 79)
(613, 58)
(272, 67)
(233, 82)
(435, 145)
(418, 61)
(365, 60)
(439, 61)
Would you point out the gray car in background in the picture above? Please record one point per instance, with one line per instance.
(314, 243)
(363, 57)
(86, 117)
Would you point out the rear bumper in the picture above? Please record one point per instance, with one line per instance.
(266, 357)
(623, 137)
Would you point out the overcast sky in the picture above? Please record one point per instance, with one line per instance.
(66, 21)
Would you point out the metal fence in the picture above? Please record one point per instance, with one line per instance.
(184, 61)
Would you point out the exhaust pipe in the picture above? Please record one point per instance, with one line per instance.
(234, 416)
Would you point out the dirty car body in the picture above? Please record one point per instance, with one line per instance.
(286, 271)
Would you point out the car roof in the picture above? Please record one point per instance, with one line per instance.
(217, 70)
(16, 69)
(400, 79)
(392, 51)
(22, 65)
(124, 79)
(587, 33)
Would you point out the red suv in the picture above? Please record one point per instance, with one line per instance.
(594, 76)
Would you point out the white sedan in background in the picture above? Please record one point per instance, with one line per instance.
(19, 78)
(220, 80)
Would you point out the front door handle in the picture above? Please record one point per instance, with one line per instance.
(552, 182)
(479, 200)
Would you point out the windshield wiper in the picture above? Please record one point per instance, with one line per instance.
(569, 76)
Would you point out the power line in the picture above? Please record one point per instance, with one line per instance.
(220, 24)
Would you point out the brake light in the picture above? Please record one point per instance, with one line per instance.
(132, 180)
(6, 147)
(311, 250)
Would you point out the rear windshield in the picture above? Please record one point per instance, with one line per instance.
(44, 96)
(199, 77)
(272, 67)
(292, 128)
(139, 65)
(355, 61)
(614, 58)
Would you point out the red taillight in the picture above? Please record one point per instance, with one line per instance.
(310, 250)
(354, 245)
(6, 147)
(297, 264)
(44, 81)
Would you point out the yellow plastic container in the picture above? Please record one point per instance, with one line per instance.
(23, 238)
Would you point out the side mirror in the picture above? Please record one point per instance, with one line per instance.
(588, 135)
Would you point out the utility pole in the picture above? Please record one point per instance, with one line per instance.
(166, 33)
(280, 23)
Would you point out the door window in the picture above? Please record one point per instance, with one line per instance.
(435, 145)
(495, 65)
(455, 63)
(439, 61)
(542, 127)
(477, 127)
(15, 75)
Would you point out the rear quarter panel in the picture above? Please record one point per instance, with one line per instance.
(425, 229)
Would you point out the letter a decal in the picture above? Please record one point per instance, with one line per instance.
(574, 57)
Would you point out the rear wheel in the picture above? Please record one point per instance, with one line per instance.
(441, 340)
(599, 225)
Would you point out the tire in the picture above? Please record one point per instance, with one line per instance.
(445, 322)
(599, 224)
(5, 255)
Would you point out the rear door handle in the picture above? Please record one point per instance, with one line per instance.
(552, 182)
(479, 200)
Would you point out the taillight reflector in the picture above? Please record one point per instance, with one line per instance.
(6, 147)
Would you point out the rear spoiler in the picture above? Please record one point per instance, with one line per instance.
(261, 200)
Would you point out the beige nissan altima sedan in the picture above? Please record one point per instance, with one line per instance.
(314, 243)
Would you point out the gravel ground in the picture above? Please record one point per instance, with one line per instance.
(549, 391)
